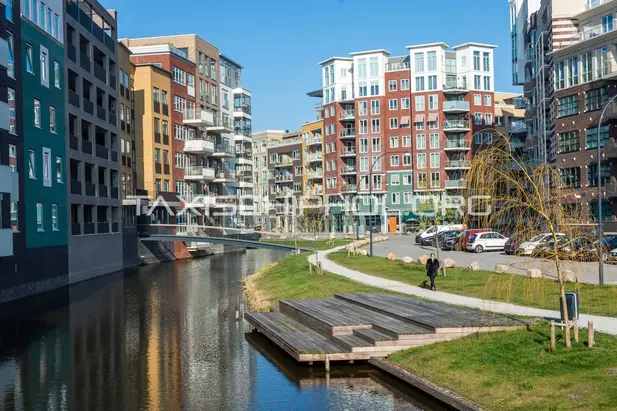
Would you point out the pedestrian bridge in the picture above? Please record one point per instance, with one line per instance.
(221, 240)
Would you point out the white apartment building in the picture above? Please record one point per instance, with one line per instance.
(260, 143)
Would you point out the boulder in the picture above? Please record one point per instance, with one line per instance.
(408, 260)
(423, 259)
(391, 256)
(501, 268)
(332, 236)
(534, 273)
(569, 276)
(283, 237)
(363, 252)
(449, 263)
(361, 236)
(474, 266)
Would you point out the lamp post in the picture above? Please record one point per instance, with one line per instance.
(600, 224)
(370, 194)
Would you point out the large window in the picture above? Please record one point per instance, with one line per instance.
(487, 61)
(57, 74)
(431, 60)
(54, 217)
(12, 115)
(596, 99)
(419, 62)
(573, 71)
(560, 76)
(570, 177)
(432, 82)
(179, 75)
(567, 106)
(29, 61)
(592, 174)
(420, 103)
(419, 83)
(586, 64)
(568, 142)
(37, 113)
(591, 137)
(10, 40)
(39, 217)
(476, 60)
(373, 67)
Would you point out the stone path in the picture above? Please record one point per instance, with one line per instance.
(604, 324)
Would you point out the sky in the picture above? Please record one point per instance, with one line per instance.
(281, 42)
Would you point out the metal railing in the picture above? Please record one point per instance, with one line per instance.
(458, 164)
(456, 86)
(349, 188)
(315, 157)
(284, 178)
(348, 133)
(347, 114)
(457, 144)
(455, 124)
(517, 126)
(199, 171)
(456, 105)
(397, 66)
(348, 151)
(456, 183)
(348, 170)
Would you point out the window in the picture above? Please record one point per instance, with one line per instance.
(435, 179)
(422, 180)
(394, 162)
(419, 62)
(375, 107)
(364, 145)
(42, 15)
(568, 142)
(477, 118)
(362, 68)
(421, 160)
(476, 60)
(407, 179)
(44, 67)
(14, 216)
(488, 118)
(39, 217)
(46, 167)
(487, 83)
(8, 10)
(376, 144)
(13, 157)
(433, 102)
(419, 83)
(392, 85)
(434, 160)
(163, 97)
(586, 64)
(487, 61)
(363, 126)
(393, 142)
(57, 74)
(560, 76)
(477, 99)
(591, 137)
(34, 11)
(479, 138)
(477, 82)
(12, 116)
(10, 41)
(37, 113)
(570, 177)
(179, 104)
(394, 123)
(362, 108)
(375, 126)
(395, 179)
(29, 64)
(420, 142)
(374, 88)
(362, 89)
(420, 126)
(405, 103)
(431, 60)
(567, 106)
(607, 23)
(179, 75)
(55, 32)
(363, 163)
(395, 197)
(432, 82)
(405, 84)
(573, 71)
(54, 217)
(48, 21)
(487, 100)
(393, 104)
(420, 102)
(52, 119)
(592, 174)
(406, 159)
(434, 140)
(596, 99)
(32, 164)
(376, 163)
(406, 141)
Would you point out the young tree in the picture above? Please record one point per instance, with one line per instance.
(312, 221)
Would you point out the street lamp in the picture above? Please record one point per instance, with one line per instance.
(600, 225)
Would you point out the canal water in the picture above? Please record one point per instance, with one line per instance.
(164, 337)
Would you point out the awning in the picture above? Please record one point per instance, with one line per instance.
(405, 120)
(433, 117)
(419, 118)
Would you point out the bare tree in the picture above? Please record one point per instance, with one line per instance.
(312, 221)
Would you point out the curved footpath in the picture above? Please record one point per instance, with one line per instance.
(604, 324)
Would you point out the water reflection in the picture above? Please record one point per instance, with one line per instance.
(164, 337)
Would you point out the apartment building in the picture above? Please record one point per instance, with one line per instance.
(584, 82)
(261, 173)
(407, 125)
(313, 162)
(15, 259)
(285, 181)
(510, 118)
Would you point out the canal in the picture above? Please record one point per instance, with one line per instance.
(164, 337)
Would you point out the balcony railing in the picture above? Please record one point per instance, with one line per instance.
(200, 172)
(397, 66)
(517, 127)
(456, 87)
(225, 149)
(458, 164)
(348, 133)
(457, 144)
(456, 184)
(348, 170)
(284, 162)
(520, 103)
(315, 174)
(456, 125)
(347, 115)
(314, 157)
(283, 178)
(349, 188)
(456, 106)
(348, 151)
(198, 118)
(591, 4)
(198, 146)
(313, 140)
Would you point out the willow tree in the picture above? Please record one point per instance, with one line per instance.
(521, 200)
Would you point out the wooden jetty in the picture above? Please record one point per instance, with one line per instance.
(360, 326)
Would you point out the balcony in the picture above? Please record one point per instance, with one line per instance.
(84, 61)
(101, 113)
(73, 98)
(348, 133)
(242, 110)
(102, 228)
(102, 152)
(200, 200)
(74, 142)
(224, 177)
(283, 193)
(455, 184)
(71, 52)
(76, 229)
(458, 165)
(114, 192)
(223, 202)
(456, 125)
(198, 146)
(284, 178)
(520, 103)
(457, 145)
(518, 126)
(314, 157)
(313, 175)
(456, 106)
(347, 115)
(221, 125)
(348, 152)
(86, 146)
(199, 173)
(198, 118)
(113, 82)
(284, 162)
(100, 73)
(349, 188)
(88, 106)
(397, 66)
(346, 170)
(223, 151)
(75, 187)
(459, 87)
(313, 141)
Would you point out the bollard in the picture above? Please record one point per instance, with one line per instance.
(576, 330)
(327, 364)
(552, 336)
(590, 334)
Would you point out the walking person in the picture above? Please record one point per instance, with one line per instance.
(432, 266)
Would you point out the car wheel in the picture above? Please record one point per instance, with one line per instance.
(478, 249)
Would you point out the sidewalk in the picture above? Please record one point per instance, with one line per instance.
(604, 324)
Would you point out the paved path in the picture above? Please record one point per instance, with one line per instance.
(404, 245)
(605, 324)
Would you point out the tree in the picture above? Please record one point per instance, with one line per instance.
(312, 221)
(523, 202)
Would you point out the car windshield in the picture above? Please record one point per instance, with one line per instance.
(472, 238)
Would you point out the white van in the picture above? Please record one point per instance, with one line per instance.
(436, 229)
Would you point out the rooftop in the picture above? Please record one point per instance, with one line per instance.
(335, 58)
(359, 53)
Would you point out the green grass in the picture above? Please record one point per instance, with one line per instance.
(515, 370)
(290, 279)
(319, 245)
(512, 288)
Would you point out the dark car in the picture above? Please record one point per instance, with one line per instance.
(441, 237)
(453, 243)
(512, 245)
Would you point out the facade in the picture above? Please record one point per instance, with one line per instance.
(313, 162)
(91, 82)
(261, 173)
(510, 118)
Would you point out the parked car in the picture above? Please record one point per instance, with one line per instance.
(453, 243)
(486, 241)
(440, 237)
(512, 245)
(432, 230)
(468, 233)
(527, 247)
(546, 249)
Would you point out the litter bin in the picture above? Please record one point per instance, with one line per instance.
(572, 306)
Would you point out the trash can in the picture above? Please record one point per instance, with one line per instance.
(572, 306)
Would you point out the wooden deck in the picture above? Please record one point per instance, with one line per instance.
(361, 326)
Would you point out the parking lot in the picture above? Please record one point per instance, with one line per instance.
(404, 245)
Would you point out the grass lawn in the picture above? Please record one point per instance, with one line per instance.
(515, 370)
(290, 279)
(319, 244)
(516, 289)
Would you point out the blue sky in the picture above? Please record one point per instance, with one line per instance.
(280, 42)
